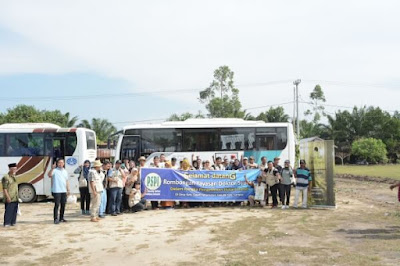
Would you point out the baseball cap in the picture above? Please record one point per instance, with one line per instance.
(245, 158)
(118, 162)
(287, 161)
(302, 161)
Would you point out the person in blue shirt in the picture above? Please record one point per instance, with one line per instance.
(303, 178)
(59, 189)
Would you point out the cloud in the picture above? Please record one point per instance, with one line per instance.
(177, 44)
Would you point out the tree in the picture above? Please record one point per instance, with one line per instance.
(317, 96)
(342, 151)
(273, 115)
(184, 116)
(102, 127)
(370, 149)
(222, 97)
(29, 114)
(70, 122)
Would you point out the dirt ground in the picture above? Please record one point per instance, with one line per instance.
(363, 230)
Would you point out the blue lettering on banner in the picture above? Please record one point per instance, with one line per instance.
(170, 184)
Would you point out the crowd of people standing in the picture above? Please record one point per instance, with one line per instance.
(107, 189)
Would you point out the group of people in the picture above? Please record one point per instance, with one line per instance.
(111, 190)
(273, 180)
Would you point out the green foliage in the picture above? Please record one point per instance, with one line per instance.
(370, 149)
(102, 127)
(29, 114)
(317, 96)
(184, 116)
(273, 115)
(222, 97)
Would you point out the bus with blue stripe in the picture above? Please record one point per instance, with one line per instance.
(207, 139)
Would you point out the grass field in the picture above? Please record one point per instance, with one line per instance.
(391, 171)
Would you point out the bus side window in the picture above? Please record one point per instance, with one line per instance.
(2, 146)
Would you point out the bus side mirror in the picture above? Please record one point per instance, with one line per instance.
(108, 143)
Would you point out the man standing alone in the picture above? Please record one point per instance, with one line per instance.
(60, 189)
(10, 190)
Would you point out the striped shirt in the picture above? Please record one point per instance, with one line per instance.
(303, 176)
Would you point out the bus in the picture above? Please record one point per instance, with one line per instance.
(207, 139)
(35, 147)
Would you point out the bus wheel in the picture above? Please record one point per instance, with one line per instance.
(27, 193)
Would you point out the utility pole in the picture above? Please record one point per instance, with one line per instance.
(296, 83)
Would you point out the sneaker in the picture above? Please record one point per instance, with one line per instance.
(12, 224)
(287, 206)
(56, 221)
(63, 220)
(83, 212)
(102, 216)
(113, 214)
(283, 207)
(7, 225)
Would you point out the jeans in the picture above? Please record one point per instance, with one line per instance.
(139, 206)
(85, 198)
(103, 203)
(286, 192)
(10, 213)
(116, 195)
(59, 199)
(296, 198)
(274, 190)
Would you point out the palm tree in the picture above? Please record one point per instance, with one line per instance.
(102, 127)
(70, 122)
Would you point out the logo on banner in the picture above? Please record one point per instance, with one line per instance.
(152, 181)
(72, 161)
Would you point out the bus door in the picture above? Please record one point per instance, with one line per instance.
(55, 146)
(131, 147)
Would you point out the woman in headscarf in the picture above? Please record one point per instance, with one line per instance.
(84, 186)
(167, 204)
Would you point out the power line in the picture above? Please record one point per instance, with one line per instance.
(124, 95)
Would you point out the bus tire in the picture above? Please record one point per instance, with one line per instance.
(27, 193)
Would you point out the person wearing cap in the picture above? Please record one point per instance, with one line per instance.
(259, 191)
(116, 183)
(10, 195)
(59, 189)
(303, 178)
(286, 183)
(142, 164)
(105, 195)
(252, 164)
(96, 178)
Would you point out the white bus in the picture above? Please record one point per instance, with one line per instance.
(35, 146)
(207, 138)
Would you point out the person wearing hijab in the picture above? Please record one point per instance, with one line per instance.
(84, 186)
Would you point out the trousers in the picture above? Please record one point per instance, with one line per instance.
(59, 203)
(95, 204)
(103, 203)
(296, 197)
(10, 213)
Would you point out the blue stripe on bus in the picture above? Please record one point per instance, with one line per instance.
(258, 154)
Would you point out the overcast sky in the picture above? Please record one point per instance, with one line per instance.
(72, 48)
